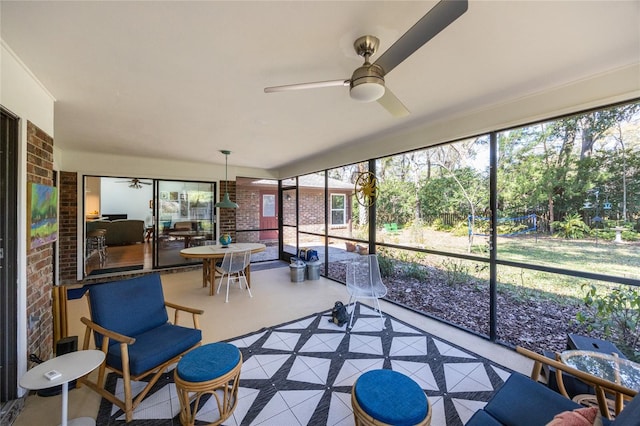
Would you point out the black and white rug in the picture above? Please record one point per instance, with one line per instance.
(301, 373)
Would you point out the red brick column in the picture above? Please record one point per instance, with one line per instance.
(67, 227)
(40, 259)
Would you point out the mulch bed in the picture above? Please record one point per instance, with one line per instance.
(536, 323)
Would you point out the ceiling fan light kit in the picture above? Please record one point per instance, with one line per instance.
(226, 202)
(367, 82)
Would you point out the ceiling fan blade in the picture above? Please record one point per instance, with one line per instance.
(436, 20)
(303, 86)
(392, 104)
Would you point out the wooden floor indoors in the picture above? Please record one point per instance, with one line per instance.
(122, 256)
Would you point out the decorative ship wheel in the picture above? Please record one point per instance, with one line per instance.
(366, 188)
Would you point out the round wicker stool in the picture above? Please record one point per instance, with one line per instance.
(210, 369)
(386, 397)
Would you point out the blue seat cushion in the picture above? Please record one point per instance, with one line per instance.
(154, 347)
(130, 307)
(520, 400)
(630, 415)
(482, 418)
(208, 362)
(391, 397)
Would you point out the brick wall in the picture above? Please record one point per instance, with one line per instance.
(40, 259)
(227, 217)
(67, 226)
(248, 215)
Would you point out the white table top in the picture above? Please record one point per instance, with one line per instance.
(71, 366)
(219, 250)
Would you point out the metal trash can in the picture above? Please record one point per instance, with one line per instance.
(297, 271)
(313, 270)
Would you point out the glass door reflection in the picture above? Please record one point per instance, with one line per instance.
(185, 217)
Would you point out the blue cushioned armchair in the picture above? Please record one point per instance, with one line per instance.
(523, 401)
(131, 326)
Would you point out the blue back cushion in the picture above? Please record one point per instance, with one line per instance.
(518, 402)
(129, 307)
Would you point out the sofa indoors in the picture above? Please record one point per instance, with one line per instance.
(120, 232)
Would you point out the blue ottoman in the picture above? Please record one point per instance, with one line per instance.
(386, 397)
(210, 369)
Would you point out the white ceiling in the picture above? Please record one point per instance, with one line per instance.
(183, 80)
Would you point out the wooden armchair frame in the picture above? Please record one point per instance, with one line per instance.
(601, 386)
(129, 404)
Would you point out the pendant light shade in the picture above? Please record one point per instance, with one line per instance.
(226, 202)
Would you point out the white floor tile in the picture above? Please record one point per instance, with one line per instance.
(353, 368)
(340, 411)
(504, 375)
(262, 366)
(282, 341)
(365, 344)
(418, 371)
(448, 350)
(323, 342)
(466, 408)
(409, 345)
(247, 341)
(298, 324)
(310, 370)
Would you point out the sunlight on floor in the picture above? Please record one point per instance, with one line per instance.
(275, 300)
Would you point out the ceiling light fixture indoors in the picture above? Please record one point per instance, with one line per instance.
(226, 202)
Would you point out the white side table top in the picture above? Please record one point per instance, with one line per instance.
(70, 366)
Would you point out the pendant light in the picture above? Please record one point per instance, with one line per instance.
(226, 203)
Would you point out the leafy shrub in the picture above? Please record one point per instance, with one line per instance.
(416, 271)
(617, 314)
(439, 225)
(461, 229)
(571, 227)
(455, 271)
(386, 266)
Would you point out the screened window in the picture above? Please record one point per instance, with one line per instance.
(338, 205)
(268, 205)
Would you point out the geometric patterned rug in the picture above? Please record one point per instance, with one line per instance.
(301, 373)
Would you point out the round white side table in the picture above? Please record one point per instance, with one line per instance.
(70, 366)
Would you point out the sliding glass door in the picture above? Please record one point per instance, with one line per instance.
(184, 216)
(142, 224)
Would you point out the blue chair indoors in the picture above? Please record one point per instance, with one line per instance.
(131, 326)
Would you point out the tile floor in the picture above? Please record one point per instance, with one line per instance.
(277, 300)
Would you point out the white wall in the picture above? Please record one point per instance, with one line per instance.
(98, 164)
(117, 198)
(23, 95)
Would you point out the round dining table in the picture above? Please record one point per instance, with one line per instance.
(212, 253)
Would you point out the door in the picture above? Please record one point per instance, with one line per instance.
(8, 256)
(184, 216)
(268, 215)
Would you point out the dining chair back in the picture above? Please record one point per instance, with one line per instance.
(365, 282)
(233, 266)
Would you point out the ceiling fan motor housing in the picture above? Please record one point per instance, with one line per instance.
(367, 83)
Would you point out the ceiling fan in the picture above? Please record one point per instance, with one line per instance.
(134, 183)
(367, 82)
